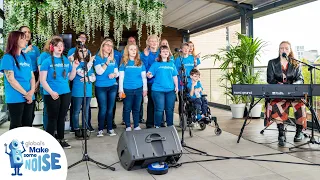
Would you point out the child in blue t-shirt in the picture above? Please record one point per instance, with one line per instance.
(132, 84)
(55, 73)
(164, 87)
(195, 93)
(78, 90)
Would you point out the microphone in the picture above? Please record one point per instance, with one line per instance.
(286, 57)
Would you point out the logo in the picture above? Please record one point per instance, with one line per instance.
(31, 153)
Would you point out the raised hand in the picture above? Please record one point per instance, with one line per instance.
(111, 76)
(145, 93)
(149, 75)
(82, 79)
(71, 58)
(29, 48)
(92, 58)
(76, 63)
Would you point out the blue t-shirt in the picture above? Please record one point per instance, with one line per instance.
(198, 85)
(73, 50)
(77, 88)
(22, 75)
(60, 84)
(132, 75)
(188, 65)
(149, 60)
(117, 56)
(103, 79)
(163, 73)
(33, 55)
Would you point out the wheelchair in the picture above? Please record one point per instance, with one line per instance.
(189, 116)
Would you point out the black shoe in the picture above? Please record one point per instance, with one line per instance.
(282, 135)
(123, 123)
(299, 135)
(78, 133)
(114, 126)
(90, 128)
(163, 125)
(64, 144)
(72, 131)
(142, 121)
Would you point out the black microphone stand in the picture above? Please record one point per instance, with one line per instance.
(85, 156)
(309, 104)
(183, 117)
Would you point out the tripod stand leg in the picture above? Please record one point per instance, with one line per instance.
(245, 121)
(74, 164)
(106, 166)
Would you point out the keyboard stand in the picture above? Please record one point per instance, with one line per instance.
(252, 104)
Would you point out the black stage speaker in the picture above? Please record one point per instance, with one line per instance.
(138, 149)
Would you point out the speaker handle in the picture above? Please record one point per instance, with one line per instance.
(149, 139)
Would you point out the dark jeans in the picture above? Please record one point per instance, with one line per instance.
(78, 104)
(71, 107)
(150, 108)
(132, 102)
(106, 100)
(57, 111)
(36, 77)
(20, 114)
(163, 101)
(201, 105)
(180, 108)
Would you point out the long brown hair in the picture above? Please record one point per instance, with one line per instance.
(54, 42)
(46, 47)
(77, 56)
(12, 45)
(164, 48)
(125, 58)
(290, 55)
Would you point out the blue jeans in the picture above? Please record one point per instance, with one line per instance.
(78, 102)
(106, 98)
(163, 101)
(45, 114)
(132, 102)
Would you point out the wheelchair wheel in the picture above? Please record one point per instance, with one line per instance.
(218, 131)
(202, 125)
(183, 122)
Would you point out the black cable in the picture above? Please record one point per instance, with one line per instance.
(109, 165)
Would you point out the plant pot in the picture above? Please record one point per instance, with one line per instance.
(38, 118)
(237, 110)
(255, 111)
(94, 102)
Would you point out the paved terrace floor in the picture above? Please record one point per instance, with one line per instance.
(104, 150)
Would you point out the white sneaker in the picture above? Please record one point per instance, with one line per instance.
(137, 128)
(100, 133)
(157, 127)
(128, 129)
(112, 133)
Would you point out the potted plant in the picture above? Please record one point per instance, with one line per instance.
(237, 64)
(38, 110)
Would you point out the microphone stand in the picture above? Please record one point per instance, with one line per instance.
(183, 117)
(85, 156)
(309, 104)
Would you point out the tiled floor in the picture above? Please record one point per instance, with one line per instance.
(104, 150)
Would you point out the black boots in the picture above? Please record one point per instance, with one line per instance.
(282, 136)
(299, 135)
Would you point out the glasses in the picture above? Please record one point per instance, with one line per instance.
(82, 50)
(109, 45)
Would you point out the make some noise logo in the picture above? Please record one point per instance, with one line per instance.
(31, 153)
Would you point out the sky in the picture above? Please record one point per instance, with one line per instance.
(300, 26)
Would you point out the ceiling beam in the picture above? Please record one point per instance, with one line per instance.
(232, 3)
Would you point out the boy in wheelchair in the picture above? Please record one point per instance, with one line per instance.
(196, 99)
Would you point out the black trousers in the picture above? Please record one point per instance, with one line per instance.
(20, 114)
(150, 108)
(36, 76)
(57, 111)
(180, 109)
(71, 107)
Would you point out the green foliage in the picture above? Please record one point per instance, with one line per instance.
(88, 16)
(237, 63)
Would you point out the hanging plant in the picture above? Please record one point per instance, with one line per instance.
(84, 15)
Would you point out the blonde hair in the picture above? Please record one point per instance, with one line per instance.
(125, 57)
(101, 53)
(152, 36)
(193, 51)
(46, 47)
(170, 53)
